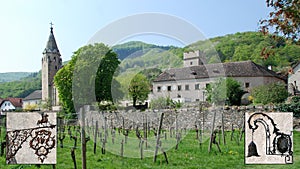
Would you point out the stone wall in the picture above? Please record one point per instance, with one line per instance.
(185, 118)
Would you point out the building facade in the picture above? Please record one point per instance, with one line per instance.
(11, 104)
(51, 63)
(33, 99)
(294, 80)
(188, 84)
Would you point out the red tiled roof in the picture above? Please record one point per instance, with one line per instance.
(17, 102)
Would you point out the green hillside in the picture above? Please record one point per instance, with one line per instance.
(22, 87)
(137, 56)
(13, 76)
(135, 49)
(248, 46)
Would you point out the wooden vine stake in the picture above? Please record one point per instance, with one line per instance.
(232, 132)
(243, 129)
(223, 130)
(145, 126)
(83, 141)
(122, 148)
(95, 137)
(73, 157)
(141, 148)
(158, 141)
(212, 131)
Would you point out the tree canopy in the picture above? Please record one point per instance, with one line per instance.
(269, 93)
(139, 88)
(225, 91)
(284, 19)
(87, 78)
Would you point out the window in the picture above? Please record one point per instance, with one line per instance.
(179, 87)
(191, 63)
(247, 84)
(169, 88)
(187, 87)
(55, 67)
(197, 86)
(158, 89)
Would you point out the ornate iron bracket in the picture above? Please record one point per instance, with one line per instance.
(42, 140)
(281, 144)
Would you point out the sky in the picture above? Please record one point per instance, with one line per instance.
(25, 24)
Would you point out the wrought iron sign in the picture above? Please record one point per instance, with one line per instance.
(33, 141)
(269, 138)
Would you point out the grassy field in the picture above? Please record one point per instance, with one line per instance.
(188, 155)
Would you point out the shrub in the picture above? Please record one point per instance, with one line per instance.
(164, 103)
(292, 106)
(270, 93)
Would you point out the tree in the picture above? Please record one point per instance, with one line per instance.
(293, 105)
(139, 88)
(269, 93)
(87, 78)
(284, 19)
(225, 91)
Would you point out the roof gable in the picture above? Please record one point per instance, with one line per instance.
(16, 102)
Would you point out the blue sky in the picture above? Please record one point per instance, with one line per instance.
(25, 23)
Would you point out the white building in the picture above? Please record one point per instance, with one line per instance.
(294, 80)
(11, 104)
(188, 84)
(35, 98)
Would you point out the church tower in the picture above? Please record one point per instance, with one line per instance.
(51, 63)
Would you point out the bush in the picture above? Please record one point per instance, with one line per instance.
(164, 103)
(270, 93)
(292, 106)
(225, 91)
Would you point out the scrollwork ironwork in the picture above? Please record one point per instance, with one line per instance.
(42, 142)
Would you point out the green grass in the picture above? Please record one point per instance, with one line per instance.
(188, 155)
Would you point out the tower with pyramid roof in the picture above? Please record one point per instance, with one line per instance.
(51, 63)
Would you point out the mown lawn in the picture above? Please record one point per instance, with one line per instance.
(188, 155)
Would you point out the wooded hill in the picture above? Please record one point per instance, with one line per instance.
(21, 88)
(13, 76)
(137, 56)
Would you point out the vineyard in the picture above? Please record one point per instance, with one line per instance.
(146, 146)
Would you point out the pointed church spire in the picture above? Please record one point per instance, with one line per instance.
(51, 46)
